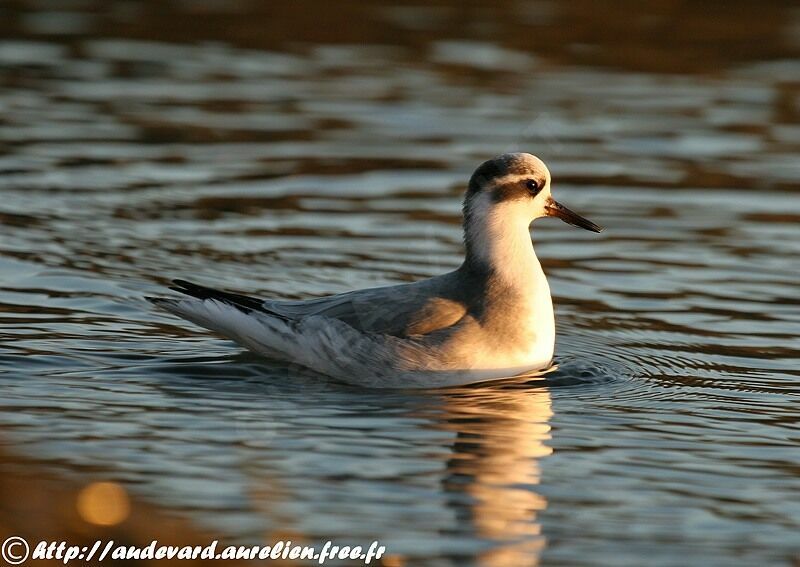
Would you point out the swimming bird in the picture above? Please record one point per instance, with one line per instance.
(490, 318)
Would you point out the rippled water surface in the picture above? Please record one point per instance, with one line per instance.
(266, 155)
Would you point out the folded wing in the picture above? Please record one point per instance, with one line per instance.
(402, 310)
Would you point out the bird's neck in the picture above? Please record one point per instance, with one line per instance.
(517, 303)
(498, 241)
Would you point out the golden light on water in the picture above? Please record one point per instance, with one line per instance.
(103, 504)
(393, 561)
(501, 435)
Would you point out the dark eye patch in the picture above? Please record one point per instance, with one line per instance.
(517, 189)
(533, 186)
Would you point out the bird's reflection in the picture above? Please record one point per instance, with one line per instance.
(501, 434)
(480, 446)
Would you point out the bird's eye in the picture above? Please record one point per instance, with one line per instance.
(533, 186)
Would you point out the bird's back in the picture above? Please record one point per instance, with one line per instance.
(403, 310)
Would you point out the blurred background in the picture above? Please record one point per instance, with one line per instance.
(297, 149)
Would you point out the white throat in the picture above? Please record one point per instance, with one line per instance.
(499, 237)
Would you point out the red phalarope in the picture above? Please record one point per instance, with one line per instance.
(490, 318)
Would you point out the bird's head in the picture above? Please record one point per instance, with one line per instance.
(516, 187)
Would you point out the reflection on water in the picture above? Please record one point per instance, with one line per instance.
(239, 146)
(500, 437)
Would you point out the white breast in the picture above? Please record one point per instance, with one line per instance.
(501, 238)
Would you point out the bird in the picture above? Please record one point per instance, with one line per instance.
(490, 318)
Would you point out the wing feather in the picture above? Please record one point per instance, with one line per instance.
(400, 310)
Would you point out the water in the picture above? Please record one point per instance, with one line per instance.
(272, 157)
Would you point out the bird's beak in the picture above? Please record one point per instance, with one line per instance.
(555, 209)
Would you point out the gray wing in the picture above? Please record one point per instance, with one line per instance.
(417, 308)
